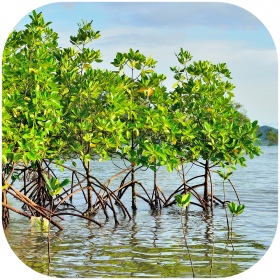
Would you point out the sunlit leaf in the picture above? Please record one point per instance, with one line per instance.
(240, 209)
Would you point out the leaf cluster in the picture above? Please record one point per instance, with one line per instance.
(54, 187)
(183, 200)
(235, 209)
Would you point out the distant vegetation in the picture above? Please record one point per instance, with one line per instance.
(269, 135)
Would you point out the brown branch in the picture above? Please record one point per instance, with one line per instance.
(9, 175)
(161, 192)
(234, 191)
(33, 205)
(108, 182)
(16, 210)
(80, 216)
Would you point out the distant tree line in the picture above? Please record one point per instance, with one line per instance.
(269, 135)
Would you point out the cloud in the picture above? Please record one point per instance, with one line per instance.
(181, 14)
(67, 5)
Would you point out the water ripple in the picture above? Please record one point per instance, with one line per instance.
(152, 243)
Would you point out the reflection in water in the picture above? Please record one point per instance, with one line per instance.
(156, 214)
(151, 244)
(208, 219)
(147, 246)
(134, 229)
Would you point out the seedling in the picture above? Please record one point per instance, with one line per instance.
(235, 211)
(39, 223)
(183, 201)
(224, 175)
(54, 187)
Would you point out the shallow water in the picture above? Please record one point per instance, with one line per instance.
(152, 244)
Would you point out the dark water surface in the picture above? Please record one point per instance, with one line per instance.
(152, 244)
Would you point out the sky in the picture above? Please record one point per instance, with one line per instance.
(240, 33)
(217, 32)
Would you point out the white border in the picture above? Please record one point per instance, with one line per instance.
(266, 10)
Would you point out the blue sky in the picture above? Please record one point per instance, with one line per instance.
(217, 32)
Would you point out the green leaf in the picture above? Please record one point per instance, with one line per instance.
(232, 207)
(87, 66)
(224, 175)
(121, 71)
(221, 174)
(186, 199)
(152, 167)
(178, 199)
(183, 200)
(4, 159)
(61, 168)
(240, 209)
(15, 177)
(31, 156)
(54, 187)
(49, 185)
(57, 191)
(64, 183)
(47, 179)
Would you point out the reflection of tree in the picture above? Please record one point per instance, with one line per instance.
(134, 230)
(209, 236)
(133, 241)
(127, 256)
(157, 215)
(208, 219)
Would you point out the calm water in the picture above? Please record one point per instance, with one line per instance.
(152, 244)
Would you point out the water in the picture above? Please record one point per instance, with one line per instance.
(152, 244)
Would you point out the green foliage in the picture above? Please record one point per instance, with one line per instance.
(224, 175)
(234, 209)
(272, 137)
(40, 223)
(92, 100)
(183, 200)
(31, 109)
(148, 125)
(219, 132)
(54, 187)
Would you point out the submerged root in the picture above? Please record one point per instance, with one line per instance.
(103, 198)
(5, 210)
(89, 212)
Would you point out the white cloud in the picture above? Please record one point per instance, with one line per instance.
(178, 14)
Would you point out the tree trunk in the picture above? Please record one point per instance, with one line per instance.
(206, 174)
(133, 194)
(89, 210)
(89, 193)
(5, 211)
(89, 190)
(184, 179)
(133, 186)
(42, 194)
(156, 190)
